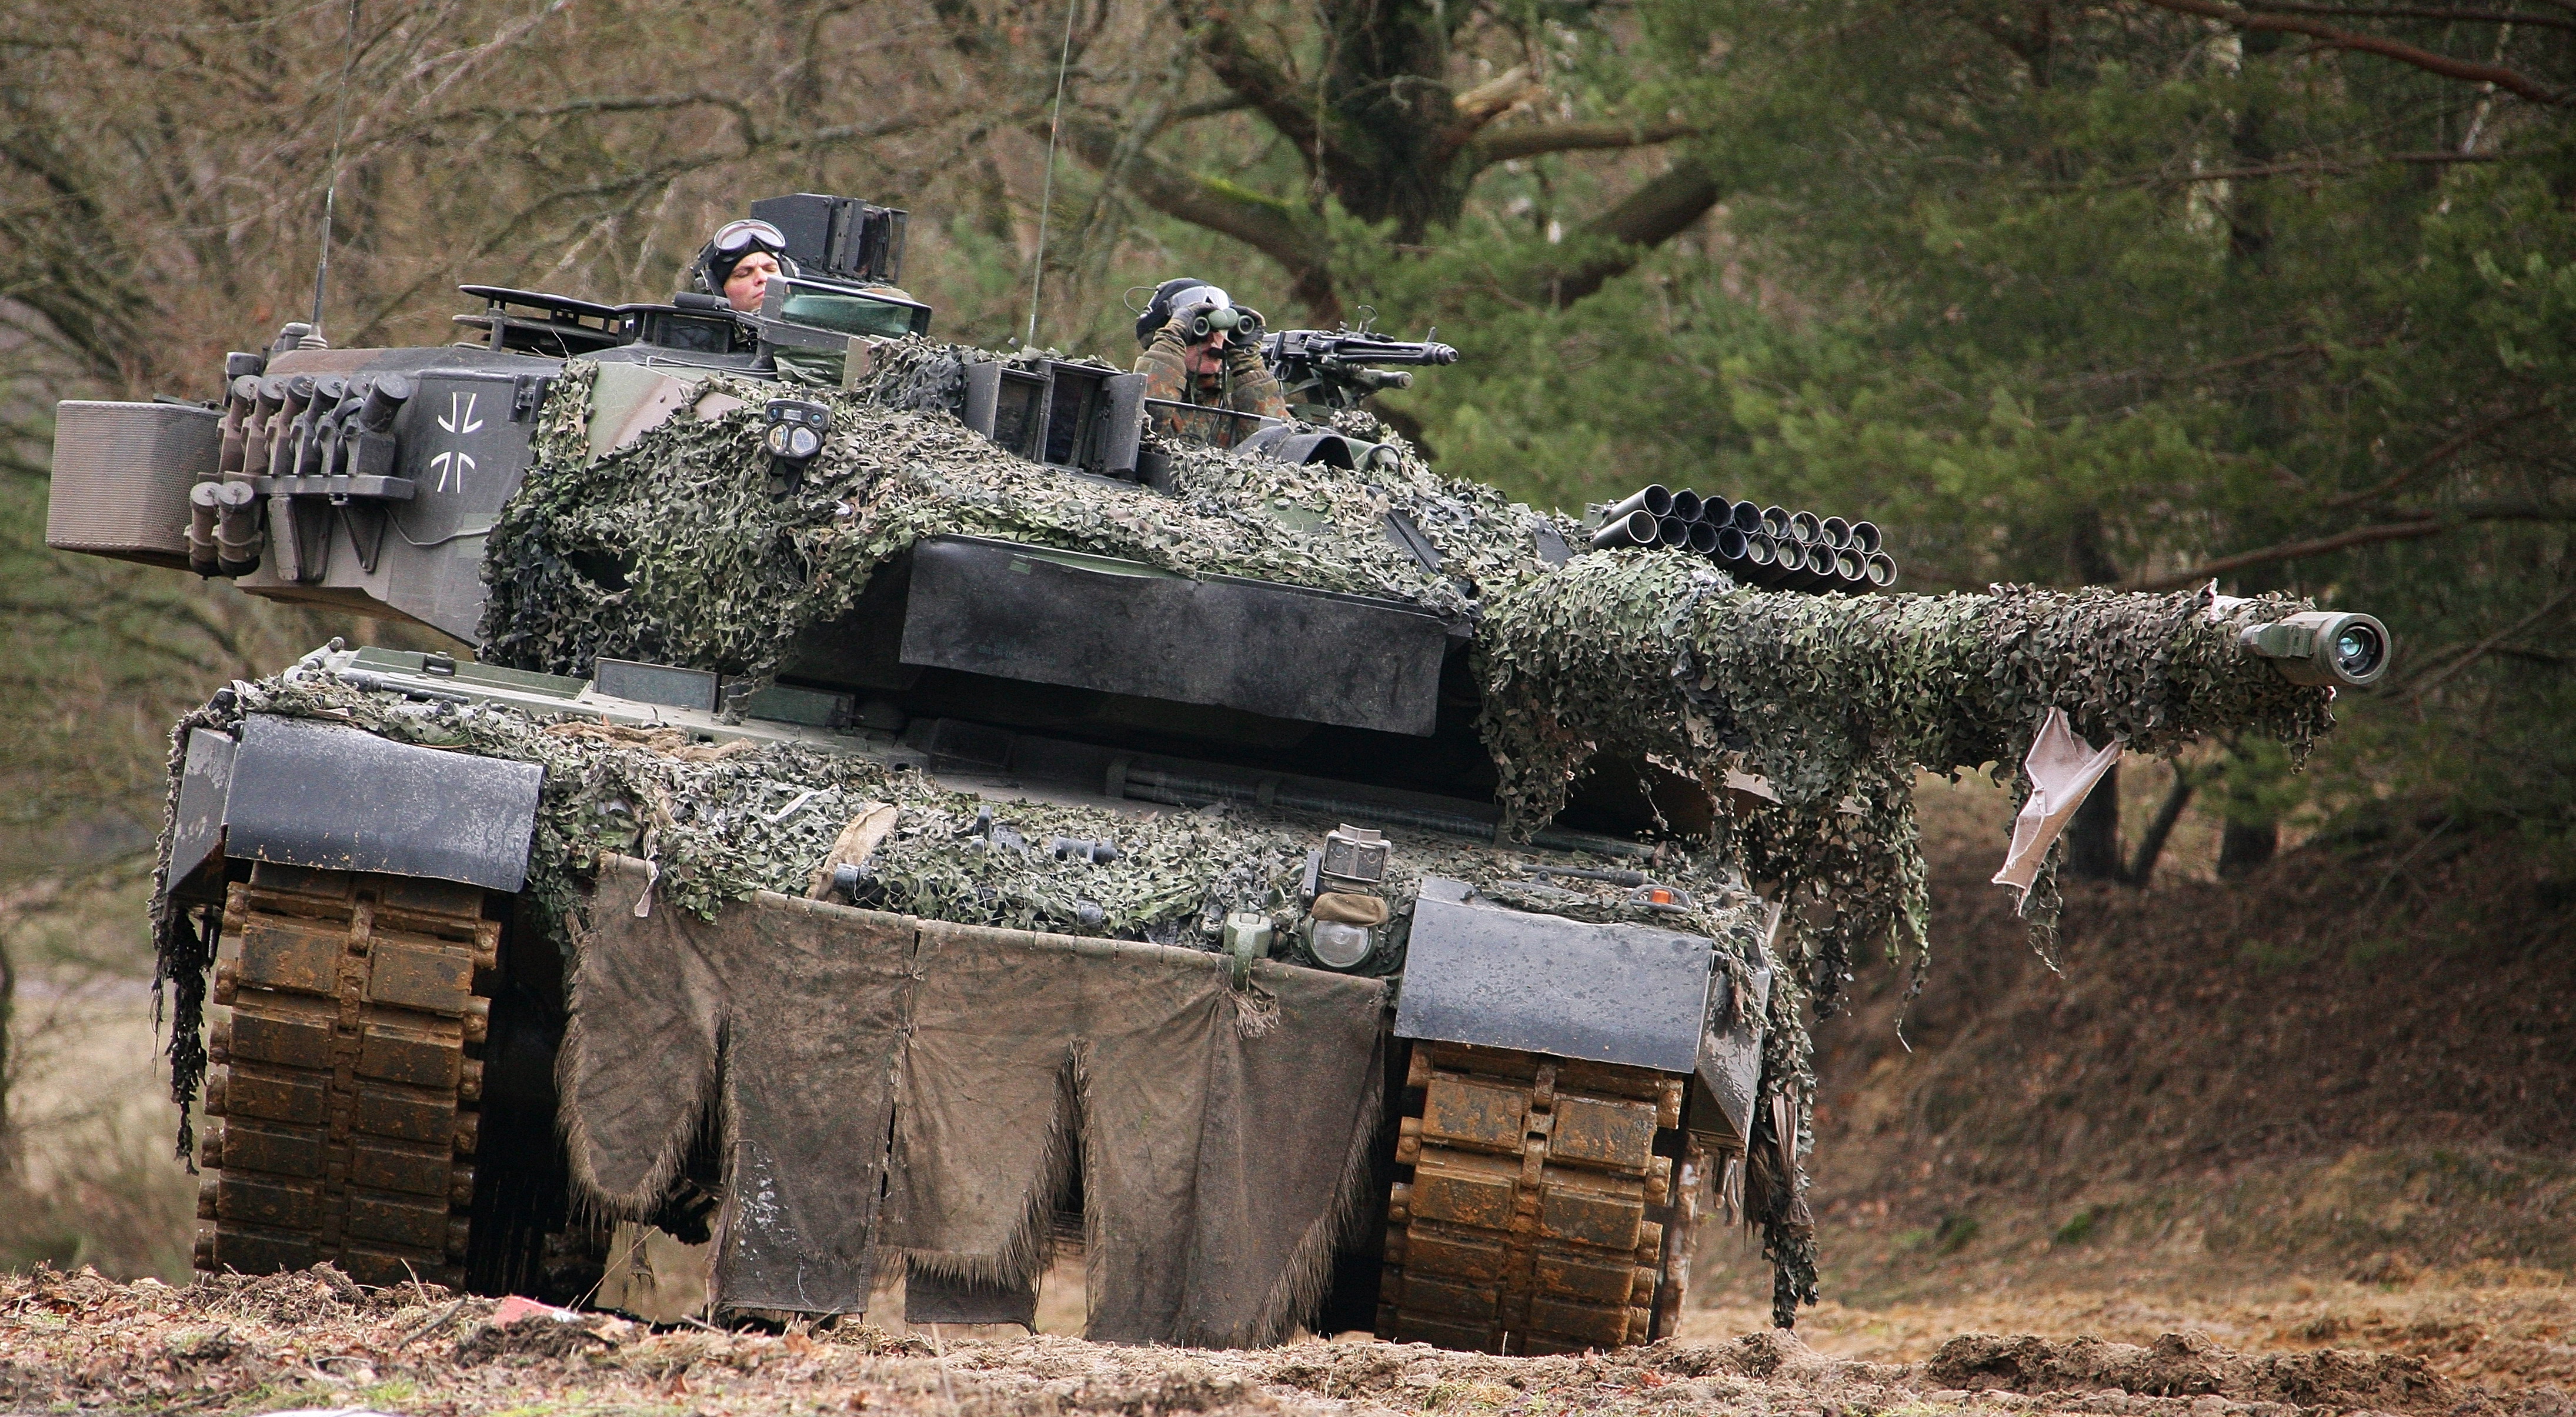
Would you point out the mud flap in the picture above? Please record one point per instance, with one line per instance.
(1730, 1062)
(943, 1299)
(197, 831)
(336, 798)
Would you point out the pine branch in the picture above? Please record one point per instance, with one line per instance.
(2424, 12)
(2442, 453)
(2473, 71)
(2428, 524)
(2427, 683)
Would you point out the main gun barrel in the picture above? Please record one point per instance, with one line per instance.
(1617, 646)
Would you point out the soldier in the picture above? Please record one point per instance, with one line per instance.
(1201, 348)
(740, 260)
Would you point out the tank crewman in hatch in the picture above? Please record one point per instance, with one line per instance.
(739, 261)
(1201, 348)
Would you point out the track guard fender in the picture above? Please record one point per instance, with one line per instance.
(1611, 993)
(331, 797)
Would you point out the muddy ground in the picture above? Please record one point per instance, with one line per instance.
(314, 1341)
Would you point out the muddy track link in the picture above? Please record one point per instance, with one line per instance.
(1550, 1208)
(346, 1075)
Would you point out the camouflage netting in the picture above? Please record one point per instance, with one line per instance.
(1839, 701)
(673, 549)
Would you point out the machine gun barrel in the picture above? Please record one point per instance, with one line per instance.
(1346, 348)
(1334, 368)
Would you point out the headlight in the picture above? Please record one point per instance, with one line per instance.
(1337, 943)
(796, 429)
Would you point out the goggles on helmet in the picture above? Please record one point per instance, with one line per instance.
(736, 237)
(1198, 295)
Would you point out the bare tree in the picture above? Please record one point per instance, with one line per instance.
(1371, 97)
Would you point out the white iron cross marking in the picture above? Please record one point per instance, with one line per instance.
(458, 419)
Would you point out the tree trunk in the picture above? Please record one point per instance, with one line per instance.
(2245, 847)
(8, 1033)
(2142, 867)
(2093, 838)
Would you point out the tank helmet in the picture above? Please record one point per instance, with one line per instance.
(1172, 295)
(733, 241)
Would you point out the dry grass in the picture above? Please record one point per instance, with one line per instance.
(89, 1175)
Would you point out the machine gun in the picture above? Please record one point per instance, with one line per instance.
(1331, 368)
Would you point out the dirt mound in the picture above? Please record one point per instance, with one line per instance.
(2191, 1365)
(2360, 1056)
(79, 1341)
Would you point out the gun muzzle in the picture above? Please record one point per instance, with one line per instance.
(1687, 505)
(1805, 529)
(1865, 538)
(2341, 648)
(1836, 532)
(1775, 523)
(1824, 571)
(1672, 531)
(1703, 538)
(1882, 568)
(1637, 528)
(1654, 499)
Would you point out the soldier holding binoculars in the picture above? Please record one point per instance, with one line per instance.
(1201, 348)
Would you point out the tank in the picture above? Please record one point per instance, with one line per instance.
(910, 812)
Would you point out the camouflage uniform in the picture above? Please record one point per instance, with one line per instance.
(1247, 385)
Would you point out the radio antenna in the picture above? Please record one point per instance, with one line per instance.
(1046, 196)
(331, 187)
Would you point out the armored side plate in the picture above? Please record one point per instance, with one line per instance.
(1090, 622)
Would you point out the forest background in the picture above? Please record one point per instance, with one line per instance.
(2141, 292)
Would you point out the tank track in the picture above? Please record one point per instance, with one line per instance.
(346, 1079)
(1543, 1214)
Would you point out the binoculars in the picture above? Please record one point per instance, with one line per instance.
(1241, 325)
